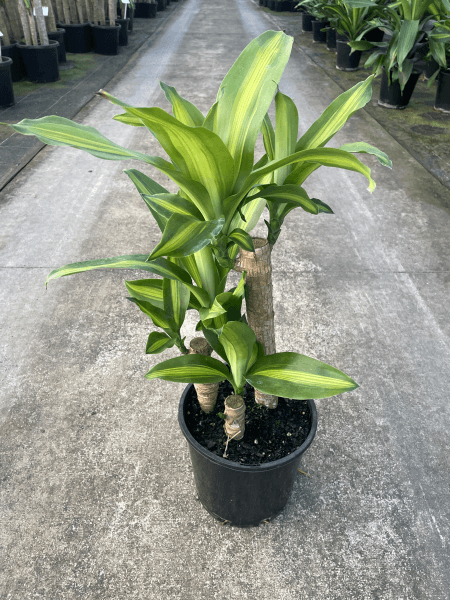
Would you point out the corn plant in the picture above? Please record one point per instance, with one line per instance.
(222, 193)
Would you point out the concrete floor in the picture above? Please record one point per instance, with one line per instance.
(97, 493)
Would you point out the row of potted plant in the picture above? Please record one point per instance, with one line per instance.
(400, 34)
(47, 32)
(255, 405)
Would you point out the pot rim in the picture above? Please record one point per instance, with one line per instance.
(6, 60)
(51, 44)
(237, 466)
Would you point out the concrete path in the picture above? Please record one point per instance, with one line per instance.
(98, 500)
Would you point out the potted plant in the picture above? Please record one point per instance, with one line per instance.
(75, 19)
(9, 48)
(56, 33)
(395, 59)
(39, 54)
(307, 17)
(204, 235)
(319, 21)
(106, 32)
(146, 9)
(439, 40)
(6, 84)
(350, 19)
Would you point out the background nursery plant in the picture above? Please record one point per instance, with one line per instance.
(205, 226)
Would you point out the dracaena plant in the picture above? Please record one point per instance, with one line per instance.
(222, 192)
(439, 40)
(314, 8)
(351, 17)
(406, 23)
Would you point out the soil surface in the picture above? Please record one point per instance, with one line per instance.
(270, 434)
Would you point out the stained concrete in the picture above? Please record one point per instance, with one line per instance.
(98, 499)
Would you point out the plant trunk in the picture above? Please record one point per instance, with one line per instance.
(4, 28)
(206, 392)
(259, 301)
(66, 12)
(25, 23)
(79, 12)
(89, 10)
(32, 24)
(99, 12)
(51, 23)
(40, 21)
(234, 425)
(112, 11)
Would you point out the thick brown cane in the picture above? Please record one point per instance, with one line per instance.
(259, 300)
(206, 392)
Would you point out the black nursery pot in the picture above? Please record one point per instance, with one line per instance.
(161, 4)
(391, 96)
(307, 21)
(331, 39)
(12, 51)
(243, 495)
(374, 35)
(344, 60)
(431, 67)
(123, 31)
(106, 39)
(78, 37)
(318, 35)
(143, 10)
(6, 84)
(41, 62)
(58, 36)
(442, 102)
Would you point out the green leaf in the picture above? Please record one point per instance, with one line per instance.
(286, 132)
(336, 115)
(406, 39)
(167, 205)
(176, 299)
(184, 236)
(292, 375)
(213, 340)
(242, 239)
(190, 368)
(293, 194)
(362, 147)
(197, 152)
(238, 340)
(245, 96)
(183, 110)
(148, 290)
(362, 45)
(58, 131)
(158, 342)
(145, 184)
(127, 119)
(158, 316)
(132, 261)
(268, 137)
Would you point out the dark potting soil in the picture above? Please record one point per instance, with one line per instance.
(270, 434)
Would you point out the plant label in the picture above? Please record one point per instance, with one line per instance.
(125, 1)
(44, 11)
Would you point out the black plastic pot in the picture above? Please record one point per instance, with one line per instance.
(12, 51)
(161, 4)
(431, 67)
(106, 39)
(331, 39)
(374, 35)
(318, 35)
(6, 84)
(243, 495)
(341, 37)
(344, 60)
(283, 5)
(391, 95)
(307, 21)
(261, 2)
(123, 31)
(58, 36)
(442, 102)
(293, 5)
(143, 10)
(41, 62)
(78, 37)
